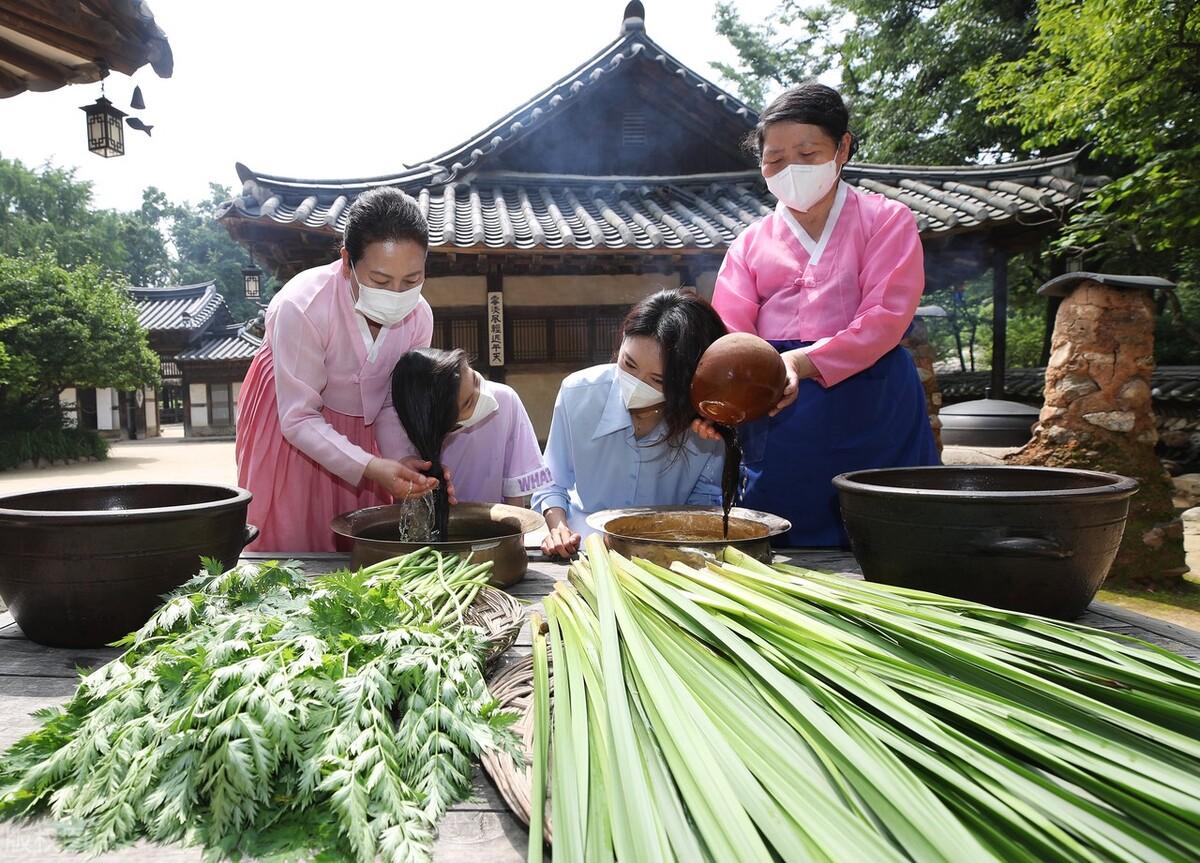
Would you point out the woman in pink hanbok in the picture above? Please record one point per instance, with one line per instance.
(832, 279)
(306, 444)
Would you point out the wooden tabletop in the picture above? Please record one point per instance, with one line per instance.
(480, 830)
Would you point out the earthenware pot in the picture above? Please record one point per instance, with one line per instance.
(739, 379)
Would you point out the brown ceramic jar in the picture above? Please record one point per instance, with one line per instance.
(739, 379)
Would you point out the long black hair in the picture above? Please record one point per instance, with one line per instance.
(810, 103)
(425, 384)
(684, 325)
(383, 215)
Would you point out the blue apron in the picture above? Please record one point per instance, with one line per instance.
(876, 418)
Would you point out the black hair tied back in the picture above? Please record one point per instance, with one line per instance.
(383, 215)
(425, 384)
(810, 103)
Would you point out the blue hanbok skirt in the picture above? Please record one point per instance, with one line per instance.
(876, 418)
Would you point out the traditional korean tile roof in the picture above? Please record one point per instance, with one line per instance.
(1169, 384)
(232, 342)
(473, 155)
(178, 307)
(472, 202)
(555, 211)
(44, 45)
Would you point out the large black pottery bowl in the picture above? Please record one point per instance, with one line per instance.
(1031, 539)
(80, 567)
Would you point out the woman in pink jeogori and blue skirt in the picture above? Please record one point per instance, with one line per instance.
(832, 279)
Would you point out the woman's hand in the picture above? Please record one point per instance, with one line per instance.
(706, 429)
(799, 367)
(561, 541)
(402, 479)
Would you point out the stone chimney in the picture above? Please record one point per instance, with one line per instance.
(1098, 415)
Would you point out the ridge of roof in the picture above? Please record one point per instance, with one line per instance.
(157, 292)
(178, 307)
(630, 47)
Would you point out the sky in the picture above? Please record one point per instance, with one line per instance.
(331, 90)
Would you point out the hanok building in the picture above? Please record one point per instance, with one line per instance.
(204, 354)
(626, 175)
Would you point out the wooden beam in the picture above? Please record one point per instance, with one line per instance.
(37, 67)
(11, 84)
(96, 39)
(495, 285)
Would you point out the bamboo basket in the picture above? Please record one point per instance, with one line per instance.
(513, 688)
(500, 617)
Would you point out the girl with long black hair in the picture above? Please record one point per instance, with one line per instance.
(622, 433)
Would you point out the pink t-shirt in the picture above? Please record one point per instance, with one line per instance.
(324, 356)
(853, 291)
(492, 460)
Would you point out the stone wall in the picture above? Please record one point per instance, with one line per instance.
(916, 342)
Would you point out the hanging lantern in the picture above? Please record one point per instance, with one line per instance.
(106, 135)
(252, 278)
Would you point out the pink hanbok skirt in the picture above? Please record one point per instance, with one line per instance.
(295, 498)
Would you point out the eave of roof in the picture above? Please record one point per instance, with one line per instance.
(45, 45)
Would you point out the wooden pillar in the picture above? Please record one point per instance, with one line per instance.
(495, 350)
(999, 320)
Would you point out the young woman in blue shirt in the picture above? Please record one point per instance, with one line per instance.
(622, 433)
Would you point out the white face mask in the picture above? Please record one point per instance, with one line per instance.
(384, 307)
(801, 186)
(636, 393)
(485, 406)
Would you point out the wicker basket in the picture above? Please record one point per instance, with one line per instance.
(513, 688)
(500, 618)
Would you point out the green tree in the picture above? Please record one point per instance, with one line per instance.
(901, 64)
(50, 210)
(1126, 75)
(206, 251)
(64, 327)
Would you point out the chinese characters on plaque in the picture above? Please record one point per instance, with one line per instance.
(495, 313)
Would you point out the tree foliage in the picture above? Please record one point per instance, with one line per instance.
(50, 210)
(160, 243)
(1124, 74)
(64, 327)
(901, 64)
(205, 251)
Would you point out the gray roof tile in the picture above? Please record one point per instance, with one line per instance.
(178, 307)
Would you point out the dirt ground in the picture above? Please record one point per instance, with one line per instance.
(170, 458)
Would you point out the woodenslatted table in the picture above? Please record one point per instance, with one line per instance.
(478, 831)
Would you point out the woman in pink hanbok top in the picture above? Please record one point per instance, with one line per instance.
(832, 279)
(306, 444)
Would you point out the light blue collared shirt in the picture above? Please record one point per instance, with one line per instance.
(598, 464)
